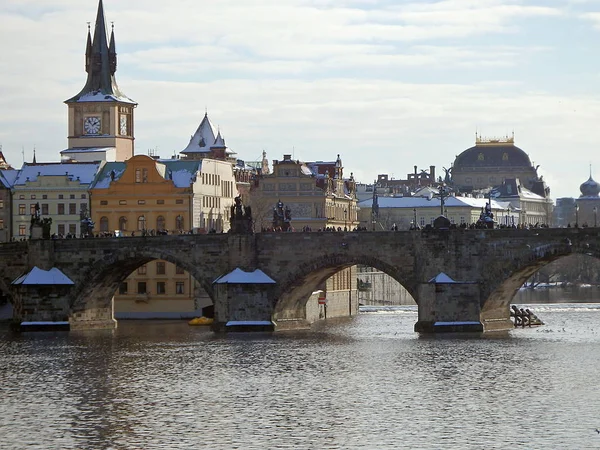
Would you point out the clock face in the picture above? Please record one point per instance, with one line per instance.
(123, 125)
(91, 125)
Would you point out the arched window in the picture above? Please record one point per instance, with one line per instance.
(160, 223)
(179, 222)
(122, 223)
(104, 223)
(141, 223)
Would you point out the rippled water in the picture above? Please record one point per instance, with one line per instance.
(365, 383)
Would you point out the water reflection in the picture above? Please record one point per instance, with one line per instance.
(368, 382)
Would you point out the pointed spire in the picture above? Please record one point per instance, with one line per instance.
(34, 161)
(88, 50)
(101, 65)
(112, 52)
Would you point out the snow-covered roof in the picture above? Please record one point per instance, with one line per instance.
(182, 172)
(45, 277)
(442, 278)
(238, 276)
(85, 172)
(111, 171)
(98, 96)
(421, 202)
(8, 177)
(203, 139)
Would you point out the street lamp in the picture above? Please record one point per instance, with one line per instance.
(595, 217)
(345, 218)
(415, 218)
(576, 215)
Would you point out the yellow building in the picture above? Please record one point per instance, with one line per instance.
(144, 196)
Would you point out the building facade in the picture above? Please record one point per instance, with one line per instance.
(144, 196)
(58, 191)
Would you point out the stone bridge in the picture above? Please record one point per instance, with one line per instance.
(488, 266)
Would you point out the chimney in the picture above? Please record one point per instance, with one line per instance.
(432, 173)
(415, 170)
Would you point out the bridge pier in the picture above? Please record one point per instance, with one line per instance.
(98, 318)
(449, 306)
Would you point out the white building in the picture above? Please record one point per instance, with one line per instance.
(60, 190)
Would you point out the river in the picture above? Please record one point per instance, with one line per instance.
(368, 382)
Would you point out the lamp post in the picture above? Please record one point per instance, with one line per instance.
(576, 215)
(507, 216)
(595, 217)
(345, 218)
(415, 218)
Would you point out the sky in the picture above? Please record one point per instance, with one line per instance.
(386, 84)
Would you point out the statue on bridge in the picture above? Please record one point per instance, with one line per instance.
(240, 220)
(282, 217)
(39, 228)
(486, 218)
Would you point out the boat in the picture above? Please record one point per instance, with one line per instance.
(201, 321)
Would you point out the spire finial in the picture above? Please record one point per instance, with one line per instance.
(34, 161)
(89, 26)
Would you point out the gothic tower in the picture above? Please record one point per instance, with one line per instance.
(101, 116)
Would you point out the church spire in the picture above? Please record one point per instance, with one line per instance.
(101, 65)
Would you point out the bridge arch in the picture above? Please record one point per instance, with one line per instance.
(98, 284)
(498, 296)
(296, 287)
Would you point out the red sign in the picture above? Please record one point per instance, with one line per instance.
(322, 298)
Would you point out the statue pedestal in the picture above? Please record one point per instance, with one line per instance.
(37, 231)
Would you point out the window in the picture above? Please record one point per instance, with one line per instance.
(123, 288)
(180, 287)
(179, 223)
(45, 209)
(179, 270)
(21, 230)
(122, 223)
(122, 202)
(141, 223)
(73, 229)
(72, 208)
(22, 209)
(160, 223)
(138, 175)
(142, 270)
(32, 196)
(61, 208)
(32, 209)
(21, 197)
(60, 196)
(144, 175)
(103, 202)
(61, 229)
(83, 196)
(104, 223)
(141, 287)
(179, 201)
(161, 287)
(1, 224)
(1, 204)
(141, 202)
(72, 196)
(160, 268)
(160, 202)
(44, 197)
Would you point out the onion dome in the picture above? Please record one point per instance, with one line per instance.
(590, 188)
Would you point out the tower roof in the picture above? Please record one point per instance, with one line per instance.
(100, 65)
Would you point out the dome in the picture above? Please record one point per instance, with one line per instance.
(589, 188)
(500, 154)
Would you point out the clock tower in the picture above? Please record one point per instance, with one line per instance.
(100, 116)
